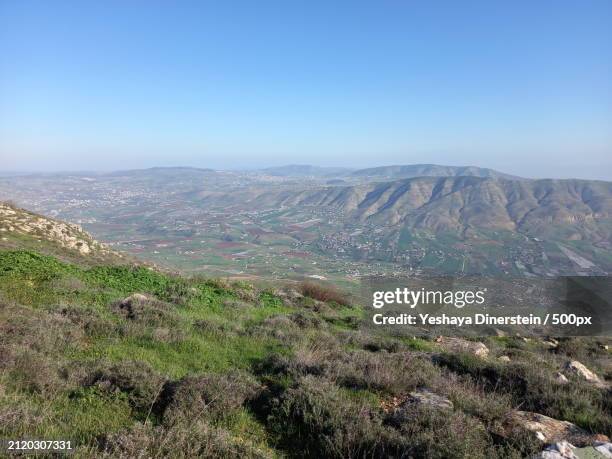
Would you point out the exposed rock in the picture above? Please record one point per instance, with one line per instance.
(428, 398)
(577, 368)
(604, 448)
(550, 430)
(14, 220)
(551, 343)
(560, 378)
(462, 345)
(561, 450)
(503, 358)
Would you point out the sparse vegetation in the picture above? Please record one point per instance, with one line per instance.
(325, 293)
(130, 361)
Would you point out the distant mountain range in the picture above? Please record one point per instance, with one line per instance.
(385, 172)
(305, 170)
(428, 170)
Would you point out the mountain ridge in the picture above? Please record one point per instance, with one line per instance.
(429, 170)
(441, 203)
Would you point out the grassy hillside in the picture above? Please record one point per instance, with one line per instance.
(126, 361)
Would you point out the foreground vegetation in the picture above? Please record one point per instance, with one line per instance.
(127, 361)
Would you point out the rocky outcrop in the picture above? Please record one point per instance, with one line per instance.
(18, 221)
(550, 430)
(424, 397)
(561, 450)
(565, 450)
(420, 398)
(577, 368)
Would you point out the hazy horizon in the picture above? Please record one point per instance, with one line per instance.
(7, 172)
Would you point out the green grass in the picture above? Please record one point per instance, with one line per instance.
(76, 366)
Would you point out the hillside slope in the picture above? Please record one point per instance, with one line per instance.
(126, 361)
(580, 208)
(21, 229)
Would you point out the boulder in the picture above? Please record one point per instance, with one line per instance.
(550, 430)
(462, 345)
(560, 378)
(603, 448)
(577, 368)
(425, 397)
(551, 343)
(561, 450)
(565, 450)
(503, 358)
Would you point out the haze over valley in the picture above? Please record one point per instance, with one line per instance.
(336, 223)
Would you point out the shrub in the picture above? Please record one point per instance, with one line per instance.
(316, 419)
(533, 388)
(304, 320)
(359, 370)
(324, 293)
(431, 433)
(210, 396)
(583, 349)
(194, 439)
(389, 373)
(135, 379)
(146, 311)
(88, 320)
(31, 371)
(177, 292)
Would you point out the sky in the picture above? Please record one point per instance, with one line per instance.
(520, 86)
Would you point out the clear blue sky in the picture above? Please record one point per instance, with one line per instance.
(522, 86)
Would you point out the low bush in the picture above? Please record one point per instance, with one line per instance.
(432, 433)
(316, 419)
(210, 396)
(383, 372)
(88, 320)
(324, 293)
(136, 380)
(193, 439)
(31, 371)
(533, 388)
(305, 320)
(146, 311)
